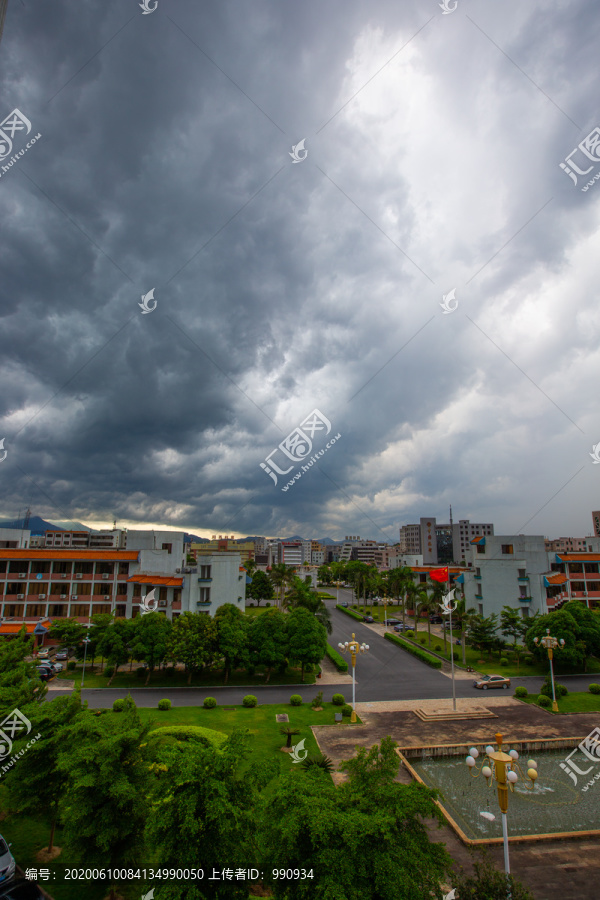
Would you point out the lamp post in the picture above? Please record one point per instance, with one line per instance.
(385, 601)
(550, 644)
(353, 647)
(86, 641)
(502, 768)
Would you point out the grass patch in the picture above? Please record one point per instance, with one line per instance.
(214, 678)
(579, 701)
(425, 657)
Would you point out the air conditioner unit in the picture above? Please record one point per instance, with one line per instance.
(42, 596)
(107, 596)
(178, 570)
(23, 575)
(187, 571)
(162, 602)
(63, 596)
(74, 597)
(105, 575)
(64, 575)
(78, 575)
(20, 596)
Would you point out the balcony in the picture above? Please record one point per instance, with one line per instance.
(524, 599)
(203, 602)
(477, 577)
(204, 580)
(479, 596)
(523, 578)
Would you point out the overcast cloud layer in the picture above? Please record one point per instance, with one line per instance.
(433, 148)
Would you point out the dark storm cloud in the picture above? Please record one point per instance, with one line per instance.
(164, 163)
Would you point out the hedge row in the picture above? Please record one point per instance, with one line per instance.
(349, 612)
(416, 651)
(338, 660)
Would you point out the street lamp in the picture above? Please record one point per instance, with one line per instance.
(550, 644)
(385, 601)
(503, 768)
(353, 647)
(86, 641)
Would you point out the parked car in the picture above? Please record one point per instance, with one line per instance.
(344, 605)
(62, 654)
(43, 654)
(7, 861)
(21, 889)
(394, 621)
(368, 619)
(56, 666)
(401, 627)
(436, 620)
(492, 681)
(45, 672)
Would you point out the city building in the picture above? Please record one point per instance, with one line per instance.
(506, 570)
(463, 533)
(225, 544)
(51, 582)
(440, 544)
(567, 545)
(574, 576)
(14, 538)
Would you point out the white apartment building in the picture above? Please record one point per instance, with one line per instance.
(463, 533)
(506, 570)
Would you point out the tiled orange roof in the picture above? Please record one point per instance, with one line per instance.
(15, 627)
(578, 557)
(89, 555)
(559, 578)
(165, 580)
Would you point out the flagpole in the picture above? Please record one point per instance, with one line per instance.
(452, 648)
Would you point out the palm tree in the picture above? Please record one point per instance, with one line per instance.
(425, 605)
(281, 576)
(320, 762)
(437, 595)
(289, 733)
(302, 594)
(412, 593)
(463, 617)
(250, 566)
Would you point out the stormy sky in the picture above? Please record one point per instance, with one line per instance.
(430, 166)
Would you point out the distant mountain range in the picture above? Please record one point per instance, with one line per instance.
(38, 525)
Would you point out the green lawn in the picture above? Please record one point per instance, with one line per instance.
(573, 703)
(28, 835)
(214, 678)
(257, 610)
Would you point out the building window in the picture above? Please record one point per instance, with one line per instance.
(205, 571)
(481, 548)
(123, 568)
(35, 609)
(14, 610)
(122, 587)
(120, 611)
(480, 605)
(167, 547)
(105, 568)
(58, 609)
(204, 595)
(522, 573)
(478, 572)
(578, 586)
(507, 548)
(80, 610)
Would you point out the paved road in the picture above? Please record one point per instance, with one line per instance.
(385, 672)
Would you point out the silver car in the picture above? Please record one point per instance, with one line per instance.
(7, 862)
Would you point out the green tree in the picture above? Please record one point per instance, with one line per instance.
(107, 762)
(562, 624)
(483, 632)
(204, 815)
(307, 637)
(232, 637)
(364, 839)
(324, 575)
(69, 632)
(113, 644)
(463, 617)
(267, 640)
(488, 883)
(20, 685)
(150, 638)
(412, 601)
(261, 588)
(193, 641)
(37, 782)
(100, 622)
(281, 577)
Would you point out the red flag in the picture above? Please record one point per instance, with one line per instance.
(439, 574)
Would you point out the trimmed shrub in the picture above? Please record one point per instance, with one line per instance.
(503, 661)
(296, 700)
(118, 706)
(409, 634)
(71, 665)
(339, 662)
(559, 689)
(594, 688)
(423, 640)
(437, 648)
(209, 703)
(349, 612)
(249, 701)
(141, 672)
(268, 603)
(544, 701)
(109, 671)
(346, 710)
(164, 704)
(192, 733)
(318, 701)
(521, 692)
(415, 651)
(338, 700)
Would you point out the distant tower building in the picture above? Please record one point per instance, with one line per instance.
(3, 5)
(596, 520)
